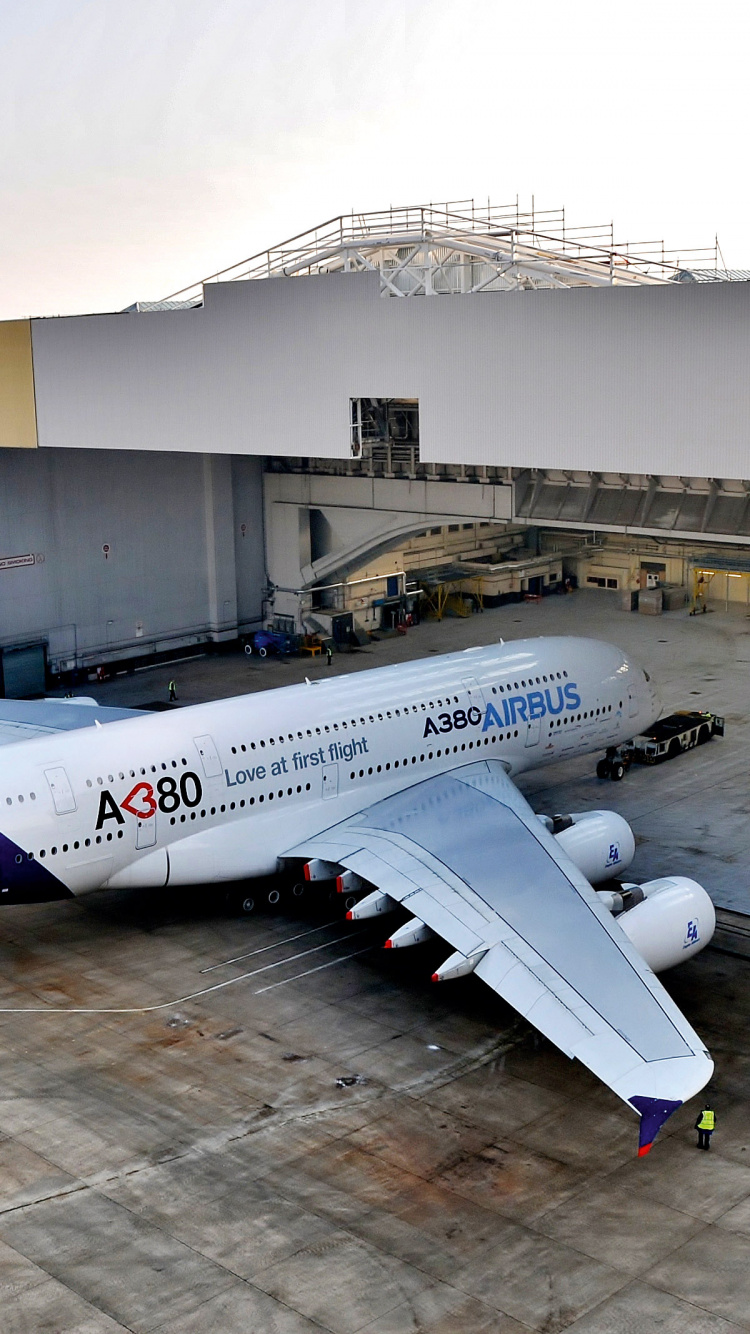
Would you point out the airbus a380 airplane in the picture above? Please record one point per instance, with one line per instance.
(397, 782)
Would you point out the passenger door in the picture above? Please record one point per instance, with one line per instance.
(610, 722)
(330, 780)
(145, 833)
(533, 731)
(474, 691)
(209, 756)
(62, 792)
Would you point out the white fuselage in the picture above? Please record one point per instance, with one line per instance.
(220, 791)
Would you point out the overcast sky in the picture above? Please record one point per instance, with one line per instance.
(146, 143)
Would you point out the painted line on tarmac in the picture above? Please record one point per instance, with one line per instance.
(331, 964)
(263, 948)
(181, 1000)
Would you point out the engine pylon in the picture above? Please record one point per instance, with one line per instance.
(320, 870)
(412, 932)
(458, 965)
(375, 904)
(349, 883)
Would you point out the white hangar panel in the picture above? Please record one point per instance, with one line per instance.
(648, 378)
(645, 379)
(261, 368)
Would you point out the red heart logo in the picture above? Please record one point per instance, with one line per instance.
(147, 799)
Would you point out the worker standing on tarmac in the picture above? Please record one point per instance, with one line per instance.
(172, 691)
(329, 655)
(705, 1125)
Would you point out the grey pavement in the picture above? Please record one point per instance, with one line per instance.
(198, 1168)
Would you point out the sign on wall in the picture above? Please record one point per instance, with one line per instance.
(13, 562)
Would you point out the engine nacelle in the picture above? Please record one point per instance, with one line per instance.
(675, 921)
(600, 843)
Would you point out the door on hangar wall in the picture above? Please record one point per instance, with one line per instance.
(23, 671)
(652, 573)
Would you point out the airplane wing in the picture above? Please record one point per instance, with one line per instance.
(465, 854)
(25, 719)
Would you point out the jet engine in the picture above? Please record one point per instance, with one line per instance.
(599, 843)
(670, 919)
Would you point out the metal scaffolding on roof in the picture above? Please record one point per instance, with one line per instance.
(461, 248)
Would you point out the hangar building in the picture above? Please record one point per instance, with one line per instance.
(306, 437)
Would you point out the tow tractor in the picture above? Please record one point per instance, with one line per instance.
(666, 739)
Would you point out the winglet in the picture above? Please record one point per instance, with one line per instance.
(653, 1112)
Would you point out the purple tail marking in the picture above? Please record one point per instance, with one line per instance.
(24, 879)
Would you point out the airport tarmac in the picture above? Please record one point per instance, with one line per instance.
(321, 1139)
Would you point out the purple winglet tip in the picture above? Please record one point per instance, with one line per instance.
(654, 1112)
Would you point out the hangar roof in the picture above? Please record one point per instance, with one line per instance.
(461, 248)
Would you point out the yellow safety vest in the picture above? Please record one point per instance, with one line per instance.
(707, 1121)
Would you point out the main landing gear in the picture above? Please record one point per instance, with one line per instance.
(243, 901)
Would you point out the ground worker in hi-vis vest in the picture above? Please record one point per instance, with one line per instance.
(705, 1126)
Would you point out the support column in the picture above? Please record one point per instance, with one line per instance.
(221, 577)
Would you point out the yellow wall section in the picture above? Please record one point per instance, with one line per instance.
(17, 408)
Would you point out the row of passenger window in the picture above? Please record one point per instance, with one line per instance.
(579, 717)
(435, 754)
(133, 773)
(269, 796)
(345, 724)
(110, 778)
(241, 804)
(532, 680)
(67, 847)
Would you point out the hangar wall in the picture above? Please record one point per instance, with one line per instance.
(647, 379)
(108, 556)
(318, 528)
(17, 411)
(249, 539)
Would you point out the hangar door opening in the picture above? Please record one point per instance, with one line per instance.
(385, 434)
(23, 671)
(722, 580)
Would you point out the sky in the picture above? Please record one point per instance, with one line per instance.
(145, 144)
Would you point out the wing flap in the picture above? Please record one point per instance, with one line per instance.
(443, 921)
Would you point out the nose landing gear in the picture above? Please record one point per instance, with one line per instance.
(613, 766)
